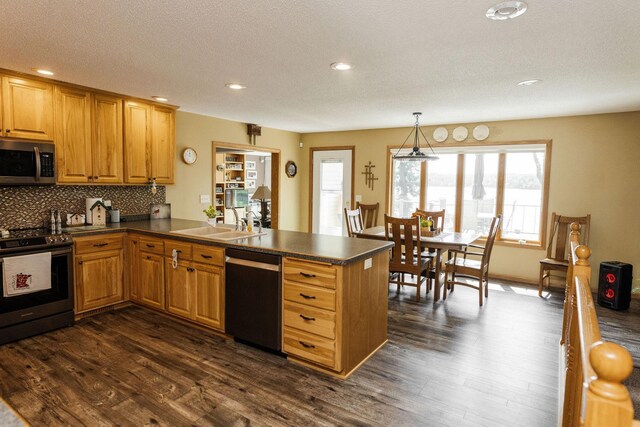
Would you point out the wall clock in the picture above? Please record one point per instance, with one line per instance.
(189, 156)
(291, 169)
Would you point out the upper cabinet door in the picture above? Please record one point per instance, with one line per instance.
(27, 109)
(73, 134)
(137, 137)
(107, 139)
(163, 145)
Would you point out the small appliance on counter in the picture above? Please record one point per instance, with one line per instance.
(89, 202)
(160, 210)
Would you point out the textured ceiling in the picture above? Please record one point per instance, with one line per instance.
(441, 57)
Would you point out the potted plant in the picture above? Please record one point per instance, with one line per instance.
(211, 214)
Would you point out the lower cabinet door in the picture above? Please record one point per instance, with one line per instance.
(99, 280)
(132, 272)
(151, 280)
(180, 298)
(209, 293)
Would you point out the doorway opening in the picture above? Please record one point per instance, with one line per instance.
(246, 179)
(331, 189)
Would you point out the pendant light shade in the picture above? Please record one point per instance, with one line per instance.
(416, 154)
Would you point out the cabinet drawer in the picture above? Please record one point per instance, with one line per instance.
(309, 319)
(92, 244)
(310, 295)
(184, 249)
(208, 255)
(311, 347)
(152, 245)
(309, 273)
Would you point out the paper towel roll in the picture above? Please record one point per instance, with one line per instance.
(89, 204)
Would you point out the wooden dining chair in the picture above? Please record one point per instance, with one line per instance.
(354, 221)
(461, 266)
(369, 214)
(557, 248)
(406, 254)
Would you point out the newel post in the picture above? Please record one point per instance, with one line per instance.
(608, 402)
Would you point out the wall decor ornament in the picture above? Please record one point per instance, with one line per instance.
(369, 177)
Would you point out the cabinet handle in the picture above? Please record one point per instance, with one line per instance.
(178, 251)
(148, 256)
(99, 245)
(95, 177)
(191, 269)
(206, 256)
(134, 242)
(307, 275)
(304, 344)
(79, 262)
(8, 131)
(313, 319)
(151, 246)
(307, 296)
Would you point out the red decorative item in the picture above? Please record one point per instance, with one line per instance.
(22, 280)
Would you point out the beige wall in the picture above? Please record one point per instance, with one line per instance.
(198, 132)
(595, 168)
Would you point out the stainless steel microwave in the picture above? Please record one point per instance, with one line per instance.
(27, 163)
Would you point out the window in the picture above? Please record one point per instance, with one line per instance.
(474, 183)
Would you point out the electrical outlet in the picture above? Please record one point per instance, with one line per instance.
(368, 263)
(359, 198)
(205, 198)
(636, 287)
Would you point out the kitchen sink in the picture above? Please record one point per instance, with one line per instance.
(218, 233)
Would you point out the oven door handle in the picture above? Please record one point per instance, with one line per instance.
(54, 252)
(36, 151)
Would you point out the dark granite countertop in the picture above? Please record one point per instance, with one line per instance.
(316, 247)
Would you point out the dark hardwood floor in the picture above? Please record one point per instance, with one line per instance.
(453, 364)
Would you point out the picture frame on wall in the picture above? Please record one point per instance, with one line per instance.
(250, 165)
(252, 174)
(250, 183)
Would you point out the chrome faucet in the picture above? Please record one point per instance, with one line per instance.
(255, 218)
(238, 222)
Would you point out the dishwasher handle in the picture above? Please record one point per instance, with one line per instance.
(253, 264)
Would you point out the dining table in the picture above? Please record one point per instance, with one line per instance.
(442, 242)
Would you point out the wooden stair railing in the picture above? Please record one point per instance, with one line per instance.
(592, 370)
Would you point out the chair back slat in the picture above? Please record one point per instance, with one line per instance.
(369, 214)
(354, 221)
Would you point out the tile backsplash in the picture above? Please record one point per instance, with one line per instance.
(28, 207)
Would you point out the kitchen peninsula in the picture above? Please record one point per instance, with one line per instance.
(333, 295)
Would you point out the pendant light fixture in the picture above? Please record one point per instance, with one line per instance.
(416, 154)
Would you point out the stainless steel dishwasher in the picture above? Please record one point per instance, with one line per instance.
(253, 291)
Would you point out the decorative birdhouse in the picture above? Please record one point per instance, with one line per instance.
(99, 213)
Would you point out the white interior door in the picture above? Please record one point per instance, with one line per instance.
(331, 191)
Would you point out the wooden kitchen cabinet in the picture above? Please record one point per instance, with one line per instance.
(149, 134)
(73, 134)
(151, 280)
(88, 136)
(195, 289)
(99, 274)
(334, 316)
(132, 258)
(27, 109)
(106, 139)
(180, 288)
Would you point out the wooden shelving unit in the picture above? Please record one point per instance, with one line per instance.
(231, 175)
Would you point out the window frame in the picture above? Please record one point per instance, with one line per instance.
(502, 155)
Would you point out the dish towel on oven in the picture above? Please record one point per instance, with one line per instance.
(25, 274)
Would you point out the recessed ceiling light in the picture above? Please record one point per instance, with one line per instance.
(341, 66)
(160, 98)
(529, 82)
(43, 71)
(506, 10)
(235, 86)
